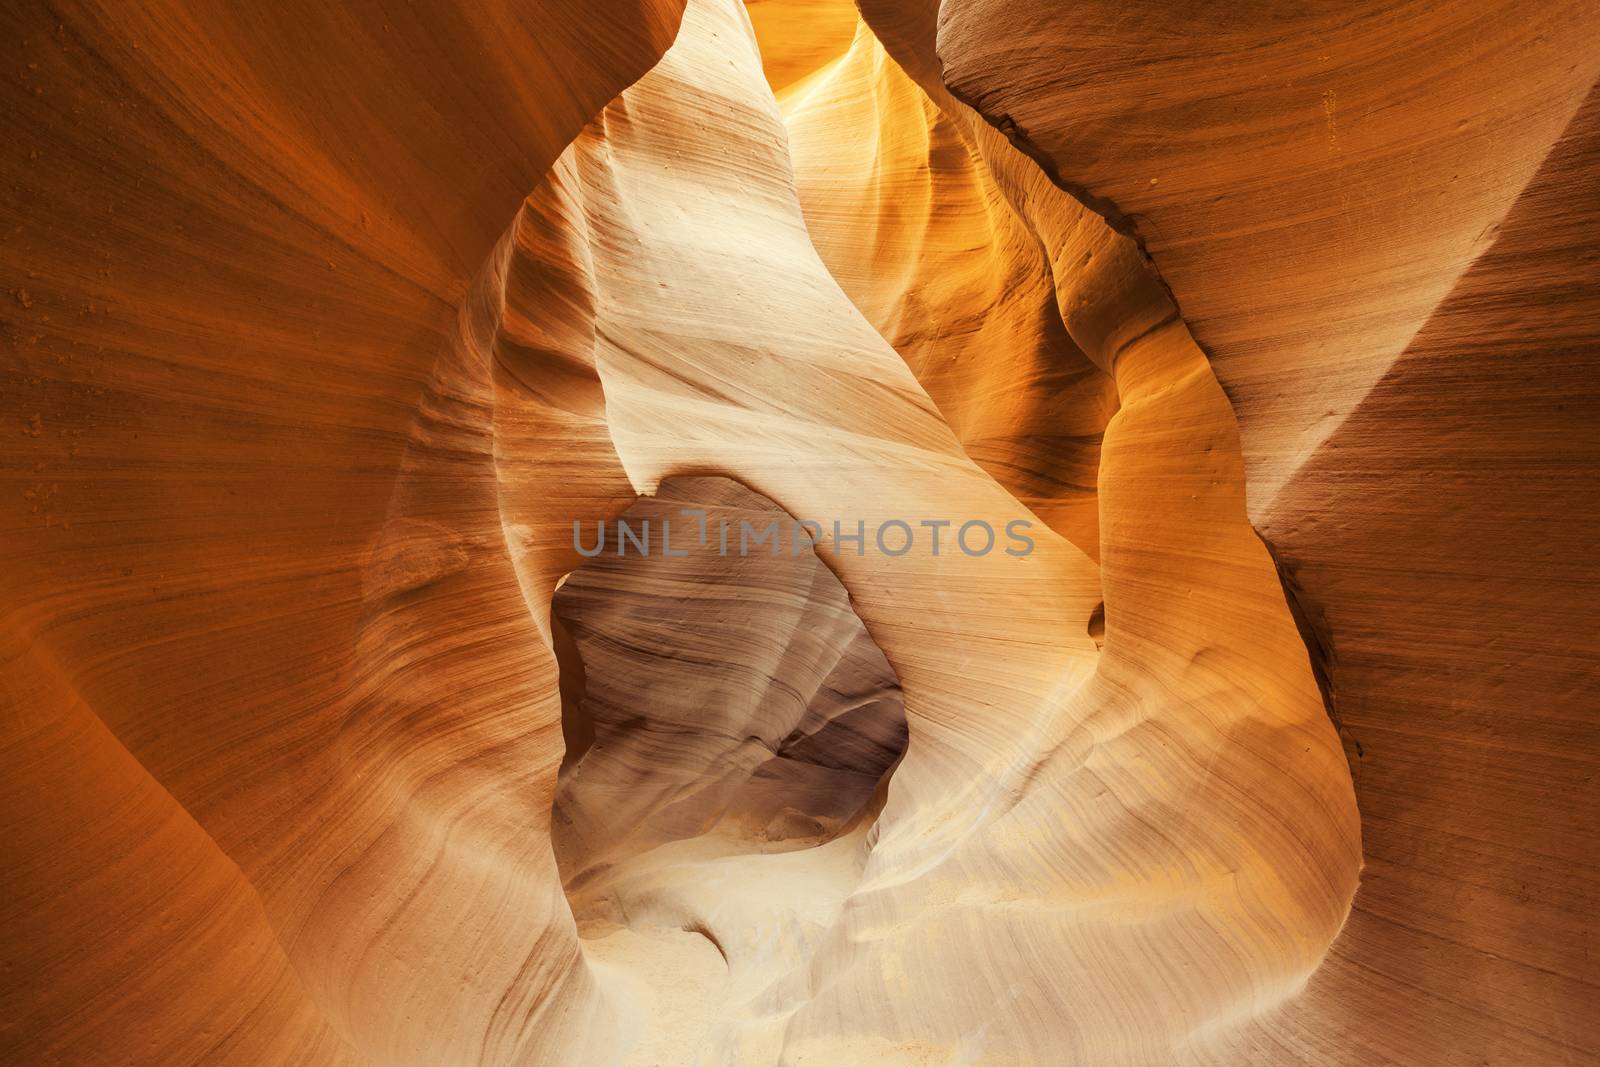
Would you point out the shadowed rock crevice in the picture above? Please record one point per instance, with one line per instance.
(730, 694)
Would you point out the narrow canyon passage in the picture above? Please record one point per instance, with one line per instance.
(1190, 415)
(730, 730)
(1135, 749)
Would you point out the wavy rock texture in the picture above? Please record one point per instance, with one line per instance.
(1387, 244)
(921, 236)
(728, 689)
(279, 738)
(323, 744)
(1281, 161)
(1466, 691)
(726, 754)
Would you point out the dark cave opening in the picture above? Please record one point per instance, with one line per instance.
(714, 694)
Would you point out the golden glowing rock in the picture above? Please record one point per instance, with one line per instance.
(1263, 344)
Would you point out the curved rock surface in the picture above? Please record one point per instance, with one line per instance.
(722, 683)
(1284, 160)
(323, 742)
(253, 714)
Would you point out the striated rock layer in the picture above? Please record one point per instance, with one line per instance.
(734, 689)
(1273, 337)
(1381, 225)
(1310, 181)
(278, 740)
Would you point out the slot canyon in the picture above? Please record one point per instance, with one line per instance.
(799, 533)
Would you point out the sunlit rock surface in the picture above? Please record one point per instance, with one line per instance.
(324, 743)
